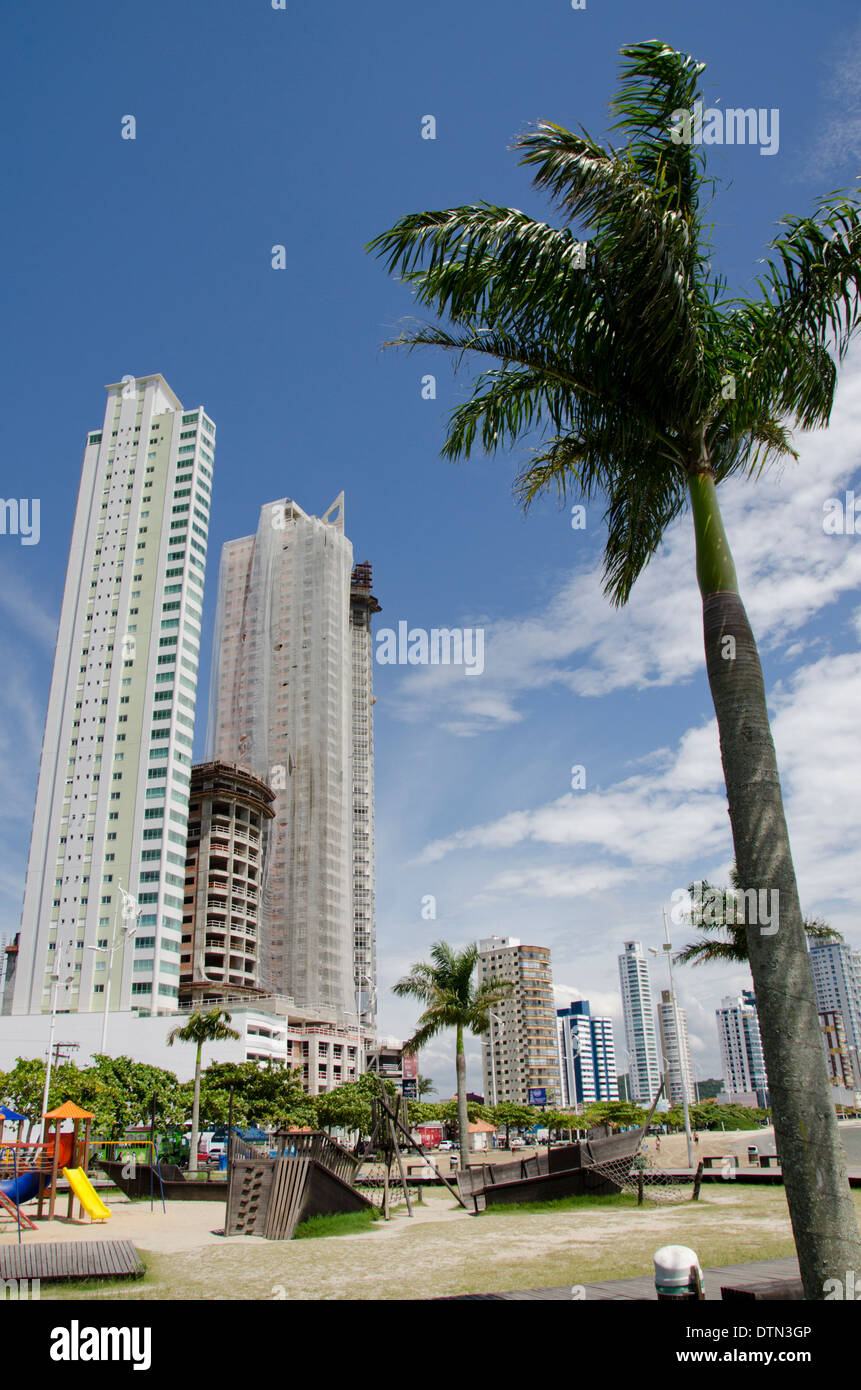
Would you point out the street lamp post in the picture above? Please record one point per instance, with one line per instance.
(668, 951)
(363, 979)
(131, 920)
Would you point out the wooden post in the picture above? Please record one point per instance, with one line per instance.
(386, 1187)
(74, 1162)
(698, 1181)
(640, 1187)
(410, 1141)
(397, 1153)
(55, 1163)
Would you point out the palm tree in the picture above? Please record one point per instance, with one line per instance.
(714, 910)
(201, 1028)
(649, 386)
(445, 986)
(425, 1086)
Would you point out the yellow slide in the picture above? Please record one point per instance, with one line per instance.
(86, 1194)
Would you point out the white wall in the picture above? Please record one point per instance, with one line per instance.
(142, 1038)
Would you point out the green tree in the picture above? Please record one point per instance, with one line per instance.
(200, 1029)
(513, 1116)
(452, 1000)
(615, 1113)
(718, 914)
(24, 1085)
(349, 1106)
(121, 1092)
(425, 1086)
(422, 1110)
(266, 1093)
(649, 386)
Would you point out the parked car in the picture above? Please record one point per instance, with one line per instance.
(517, 1144)
(447, 1144)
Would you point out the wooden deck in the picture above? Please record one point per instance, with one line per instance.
(79, 1259)
(761, 1279)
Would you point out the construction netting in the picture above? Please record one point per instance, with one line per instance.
(281, 707)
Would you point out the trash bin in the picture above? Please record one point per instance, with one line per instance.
(222, 1163)
(677, 1273)
(753, 1155)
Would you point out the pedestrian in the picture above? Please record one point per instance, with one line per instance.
(658, 1144)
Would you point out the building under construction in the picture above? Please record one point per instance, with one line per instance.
(291, 702)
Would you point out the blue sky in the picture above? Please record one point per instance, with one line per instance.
(302, 127)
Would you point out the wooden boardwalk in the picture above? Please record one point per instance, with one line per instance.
(771, 1279)
(79, 1259)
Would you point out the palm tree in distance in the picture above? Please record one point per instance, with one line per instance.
(200, 1028)
(715, 910)
(425, 1086)
(649, 386)
(446, 987)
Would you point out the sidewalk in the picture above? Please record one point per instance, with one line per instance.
(763, 1272)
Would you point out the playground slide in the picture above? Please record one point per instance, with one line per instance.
(26, 1186)
(86, 1194)
(23, 1189)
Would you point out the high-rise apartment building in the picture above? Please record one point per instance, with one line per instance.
(587, 1057)
(112, 800)
(291, 702)
(519, 1053)
(363, 606)
(644, 1068)
(228, 811)
(675, 1051)
(741, 1047)
(837, 977)
(840, 1070)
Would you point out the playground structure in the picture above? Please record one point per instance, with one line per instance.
(31, 1172)
(143, 1174)
(603, 1164)
(308, 1175)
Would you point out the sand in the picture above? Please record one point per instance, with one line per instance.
(442, 1249)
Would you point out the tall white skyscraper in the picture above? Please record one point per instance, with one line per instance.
(291, 703)
(675, 1050)
(644, 1068)
(741, 1046)
(587, 1057)
(837, 978)
(112, 800)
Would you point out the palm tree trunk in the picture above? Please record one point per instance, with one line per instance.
(195, 1114)
(462, 1113)
(820, 1203)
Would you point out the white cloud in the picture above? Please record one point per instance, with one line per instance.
(789, 571)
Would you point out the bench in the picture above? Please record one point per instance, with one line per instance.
(766, 1291)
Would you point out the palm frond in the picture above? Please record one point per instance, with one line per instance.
(814, 282)
(658, 82)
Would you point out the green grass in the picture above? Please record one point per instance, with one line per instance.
(582, 1202)
(82, 1288)
(346, 1223)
